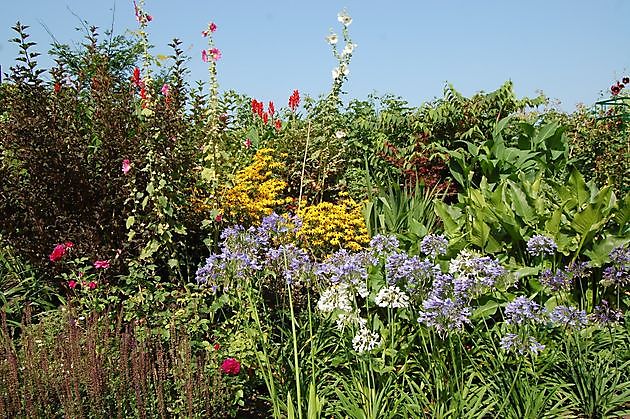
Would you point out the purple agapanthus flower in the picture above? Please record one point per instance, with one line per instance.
(434, 245)
(540, 245)
(568, 317)
(522, 310)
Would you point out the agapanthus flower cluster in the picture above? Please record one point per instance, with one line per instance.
(557, 281)
(365, 340)
(604, 314)
(336, 297)
(619, 273)
(344, 267)
(522, 311)
(350, 318)
(382, 246)
(540, 245)
(522, 345)
(413, 272)
(292, 262)
(434, 245)
(568, 317)
(391, 297)
(474, 274)
(446, 315)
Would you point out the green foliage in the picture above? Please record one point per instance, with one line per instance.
(532, 150)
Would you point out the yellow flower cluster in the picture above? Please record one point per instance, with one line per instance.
(257, 189)
(326, 227)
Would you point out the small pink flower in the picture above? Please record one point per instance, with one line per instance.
(215, 53)
(204, 56)
(68, 245)
(218, 218)
(149, 18)
(101, 264)
(92, 285)
(231, 366)
(212, 27)
(165, 89)
(72, 284)
(126, 166)
(248, 143)
(217, 346)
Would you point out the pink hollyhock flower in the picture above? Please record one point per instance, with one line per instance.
(165, 89)
(204, 56)
(212, 27)
(57, 253)
(92, 285)
(615, 90)
(149, 18)
(101, 264)
(72, 284)
(126, 166)
(231, 366)
(215, 53)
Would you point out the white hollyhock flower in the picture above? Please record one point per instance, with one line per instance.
(332, 39)
(344, 18)
(347, 50)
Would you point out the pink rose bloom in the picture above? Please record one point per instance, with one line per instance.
(231, 366)
(101, 264)
(126, 166)
(72, 284)
(57, 253)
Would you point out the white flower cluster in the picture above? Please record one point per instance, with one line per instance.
(365, 340)
(351, 318)
(338, 71)
(344, 18)
(391, 297)
(338, 296)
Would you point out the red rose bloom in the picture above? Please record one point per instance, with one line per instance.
(57, 253)
(231, 366)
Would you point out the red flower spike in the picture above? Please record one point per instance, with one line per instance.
(272, 109)
(294, 100)
(265, 117)
(278, 125)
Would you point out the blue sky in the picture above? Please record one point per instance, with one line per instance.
(571, 50)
